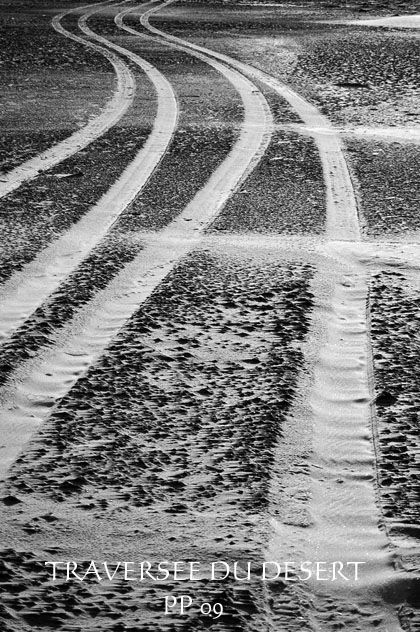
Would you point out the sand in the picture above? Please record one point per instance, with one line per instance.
(227, 370)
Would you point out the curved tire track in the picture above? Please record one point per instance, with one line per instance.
(338, 513)
(28, 288)
(112, 113)
(28, 400)
(342, 213)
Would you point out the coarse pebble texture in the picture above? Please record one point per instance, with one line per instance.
(169, 438)
(284, 194)
(31, 42)
(388, 185)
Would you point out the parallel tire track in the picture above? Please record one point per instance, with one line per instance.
(28, 401)
(112, 113)
(342, 365)
(28, 289)
(342, 213)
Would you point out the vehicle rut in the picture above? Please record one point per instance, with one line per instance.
(343, 516)
(29, 287)
(342, 213)
(114, 110)
(28, 400)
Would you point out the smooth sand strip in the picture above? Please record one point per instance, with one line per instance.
(29, 397)
(28, 288)
(342, 515)
(333, 514)
(342, 214)
(398, 134)
(111, 114)
(407, 134)
(392, 22)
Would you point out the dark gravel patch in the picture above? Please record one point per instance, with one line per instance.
(366, 58)
(30, 43)
(284, 194)
(104, 25)
(387, 174)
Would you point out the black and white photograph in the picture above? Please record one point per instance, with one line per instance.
(210, 316)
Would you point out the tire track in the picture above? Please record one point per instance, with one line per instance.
(28, 288)
(342, 214)
(112, 113)
(29, 398)
(342, 521)
(343, 518)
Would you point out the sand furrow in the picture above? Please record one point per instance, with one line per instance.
(28, 288)
(112, 113)
(341, 516)
(341, 521)
(342, 214)
(28, 401)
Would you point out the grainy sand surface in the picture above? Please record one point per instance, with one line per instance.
(224, 367)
